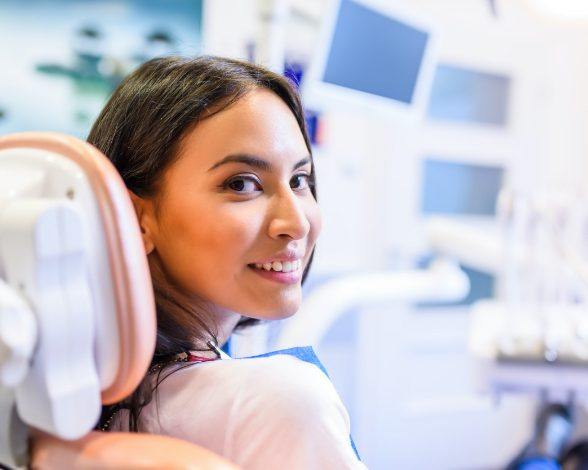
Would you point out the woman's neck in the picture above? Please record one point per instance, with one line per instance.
(227, 322)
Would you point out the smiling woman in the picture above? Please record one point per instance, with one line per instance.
(219, 167)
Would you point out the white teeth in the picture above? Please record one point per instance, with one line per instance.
(279, 266)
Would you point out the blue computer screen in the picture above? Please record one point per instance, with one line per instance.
(460, 188)
(375, 53)
(466, 95)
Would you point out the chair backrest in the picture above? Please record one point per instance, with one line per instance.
(70, 246)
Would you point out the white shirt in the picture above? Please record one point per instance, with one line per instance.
(274, 412)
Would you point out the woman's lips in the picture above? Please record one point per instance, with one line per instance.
(291, 277)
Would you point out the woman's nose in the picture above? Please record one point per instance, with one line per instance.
(289, 219)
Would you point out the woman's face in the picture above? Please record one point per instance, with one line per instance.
(236, 203)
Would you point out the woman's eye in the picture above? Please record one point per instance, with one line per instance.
(301, 181)
(243, 185)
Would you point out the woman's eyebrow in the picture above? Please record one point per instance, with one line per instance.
(254, 162)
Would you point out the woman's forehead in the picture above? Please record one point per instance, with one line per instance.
(259, 124)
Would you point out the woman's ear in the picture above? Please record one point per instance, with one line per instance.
(144, 212)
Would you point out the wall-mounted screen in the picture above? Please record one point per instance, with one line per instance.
(460, 188)
(373, 56)
(375, 53)
(469, 96)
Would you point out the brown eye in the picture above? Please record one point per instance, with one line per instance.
(300, 182)
(243, 185)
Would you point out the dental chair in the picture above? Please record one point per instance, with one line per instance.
(77, 314)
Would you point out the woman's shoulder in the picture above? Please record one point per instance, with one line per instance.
(256, 412)
(278, 384)
(270, 374)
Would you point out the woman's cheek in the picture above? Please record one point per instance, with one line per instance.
(246, 218)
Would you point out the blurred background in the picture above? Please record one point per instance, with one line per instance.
(432, 121)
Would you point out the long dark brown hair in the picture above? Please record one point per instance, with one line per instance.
(140, 130)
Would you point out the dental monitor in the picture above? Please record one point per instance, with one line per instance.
(375, 58)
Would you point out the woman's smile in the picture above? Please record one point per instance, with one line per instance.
(294, 276)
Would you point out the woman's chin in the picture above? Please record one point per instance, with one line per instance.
(286, 313)
(277, 311)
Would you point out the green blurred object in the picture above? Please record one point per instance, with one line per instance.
(59, 79)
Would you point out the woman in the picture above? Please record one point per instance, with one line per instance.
(218, 164)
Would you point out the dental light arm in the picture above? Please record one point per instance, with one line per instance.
(472, 247)
(444, 281)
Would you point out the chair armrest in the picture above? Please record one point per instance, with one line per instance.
(115, 450)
